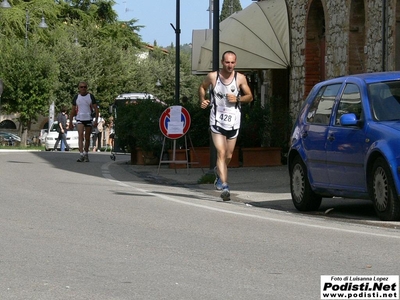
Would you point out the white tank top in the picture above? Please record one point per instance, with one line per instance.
(223, 113)
(84, 106)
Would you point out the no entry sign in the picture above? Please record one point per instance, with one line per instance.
(175, 122)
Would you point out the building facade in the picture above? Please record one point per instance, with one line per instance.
(331, 38)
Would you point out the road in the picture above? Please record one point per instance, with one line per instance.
(95, 231)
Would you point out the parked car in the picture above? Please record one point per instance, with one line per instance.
(42, 136)
(9, 139)
(52, 135)
(346, 143)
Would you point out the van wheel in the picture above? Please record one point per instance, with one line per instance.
(303, 197)
(383, 192)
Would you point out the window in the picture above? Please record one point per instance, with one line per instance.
(350, 102)
(321, 108)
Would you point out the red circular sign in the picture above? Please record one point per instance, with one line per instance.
(174, 122)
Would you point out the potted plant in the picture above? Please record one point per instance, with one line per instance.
(262, 134)
(137, 127)
(199, 135)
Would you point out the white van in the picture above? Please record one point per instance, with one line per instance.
(72, 138)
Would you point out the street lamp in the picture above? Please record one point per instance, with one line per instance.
(5, 4)
(42, 24)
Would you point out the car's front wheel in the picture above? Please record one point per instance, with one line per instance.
(304, 199)
(383, 192)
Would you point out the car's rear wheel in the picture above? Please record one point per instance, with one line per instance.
(303, 197)
(383, 192)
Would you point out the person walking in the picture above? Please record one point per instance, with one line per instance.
(112, 133)
(228, 89)
(83, 106)
(98, 134)
(62, 129)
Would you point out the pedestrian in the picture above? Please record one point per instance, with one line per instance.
(98, 133)
(62, 129)
(83, 106)
(228, 89)
(112, 133)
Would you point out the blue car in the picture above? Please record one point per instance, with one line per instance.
(346, 143)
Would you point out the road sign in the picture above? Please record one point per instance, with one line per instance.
(175, 122)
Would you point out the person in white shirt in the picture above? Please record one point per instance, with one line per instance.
(97, 133)
(229, 90)
(83, 106)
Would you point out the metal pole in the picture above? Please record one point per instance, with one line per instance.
(213, 150)
(210, 13)
(177, 66)
(26, 27)
(215, 35)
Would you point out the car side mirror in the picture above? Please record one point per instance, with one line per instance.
(349, 119)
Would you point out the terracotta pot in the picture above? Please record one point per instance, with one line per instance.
(200, 158)
(261, 156)
(139, 157)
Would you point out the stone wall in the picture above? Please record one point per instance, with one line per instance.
(337, 22)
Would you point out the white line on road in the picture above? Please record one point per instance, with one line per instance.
(107, 175)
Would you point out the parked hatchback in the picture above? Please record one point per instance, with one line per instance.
(346, 143)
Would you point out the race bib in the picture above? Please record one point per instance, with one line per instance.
(226, 116)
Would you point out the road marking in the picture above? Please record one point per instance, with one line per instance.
(107, 175)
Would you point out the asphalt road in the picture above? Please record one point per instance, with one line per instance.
(95, 230)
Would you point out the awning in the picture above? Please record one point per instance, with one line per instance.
(258, 34)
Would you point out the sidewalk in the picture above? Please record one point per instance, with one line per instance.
(247, 184)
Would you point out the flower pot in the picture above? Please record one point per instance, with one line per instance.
(261, 156)
(140, 157)
(200, 158)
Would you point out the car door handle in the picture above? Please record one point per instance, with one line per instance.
(331, 138)
(304, 135)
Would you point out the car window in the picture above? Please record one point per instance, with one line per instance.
(385, 100)
(350, 102)
(321, 108)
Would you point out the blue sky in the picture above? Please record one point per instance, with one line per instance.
(156, 16)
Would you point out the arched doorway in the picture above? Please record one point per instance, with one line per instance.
(7, 124)
(357, 54)
(315, 46)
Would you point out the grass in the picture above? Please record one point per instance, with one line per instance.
(206, 178)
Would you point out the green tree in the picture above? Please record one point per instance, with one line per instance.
(83, 41)
(30, 75)
(228, 8)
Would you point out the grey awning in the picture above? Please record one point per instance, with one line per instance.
(259, 35)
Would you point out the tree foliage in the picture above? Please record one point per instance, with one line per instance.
(228, 8)
(83, 41)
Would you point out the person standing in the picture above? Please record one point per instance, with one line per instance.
(83, 106)
(62, 129)
(97, 134)
(228, 89)
(112, 133)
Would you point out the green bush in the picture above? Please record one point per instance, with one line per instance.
(137, 125)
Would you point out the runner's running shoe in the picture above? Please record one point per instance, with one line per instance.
(81, 159)
(225, 195)
(86, 158)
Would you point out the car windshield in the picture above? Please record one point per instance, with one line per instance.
(385, 100)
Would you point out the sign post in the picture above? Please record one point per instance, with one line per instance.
(174, 123)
